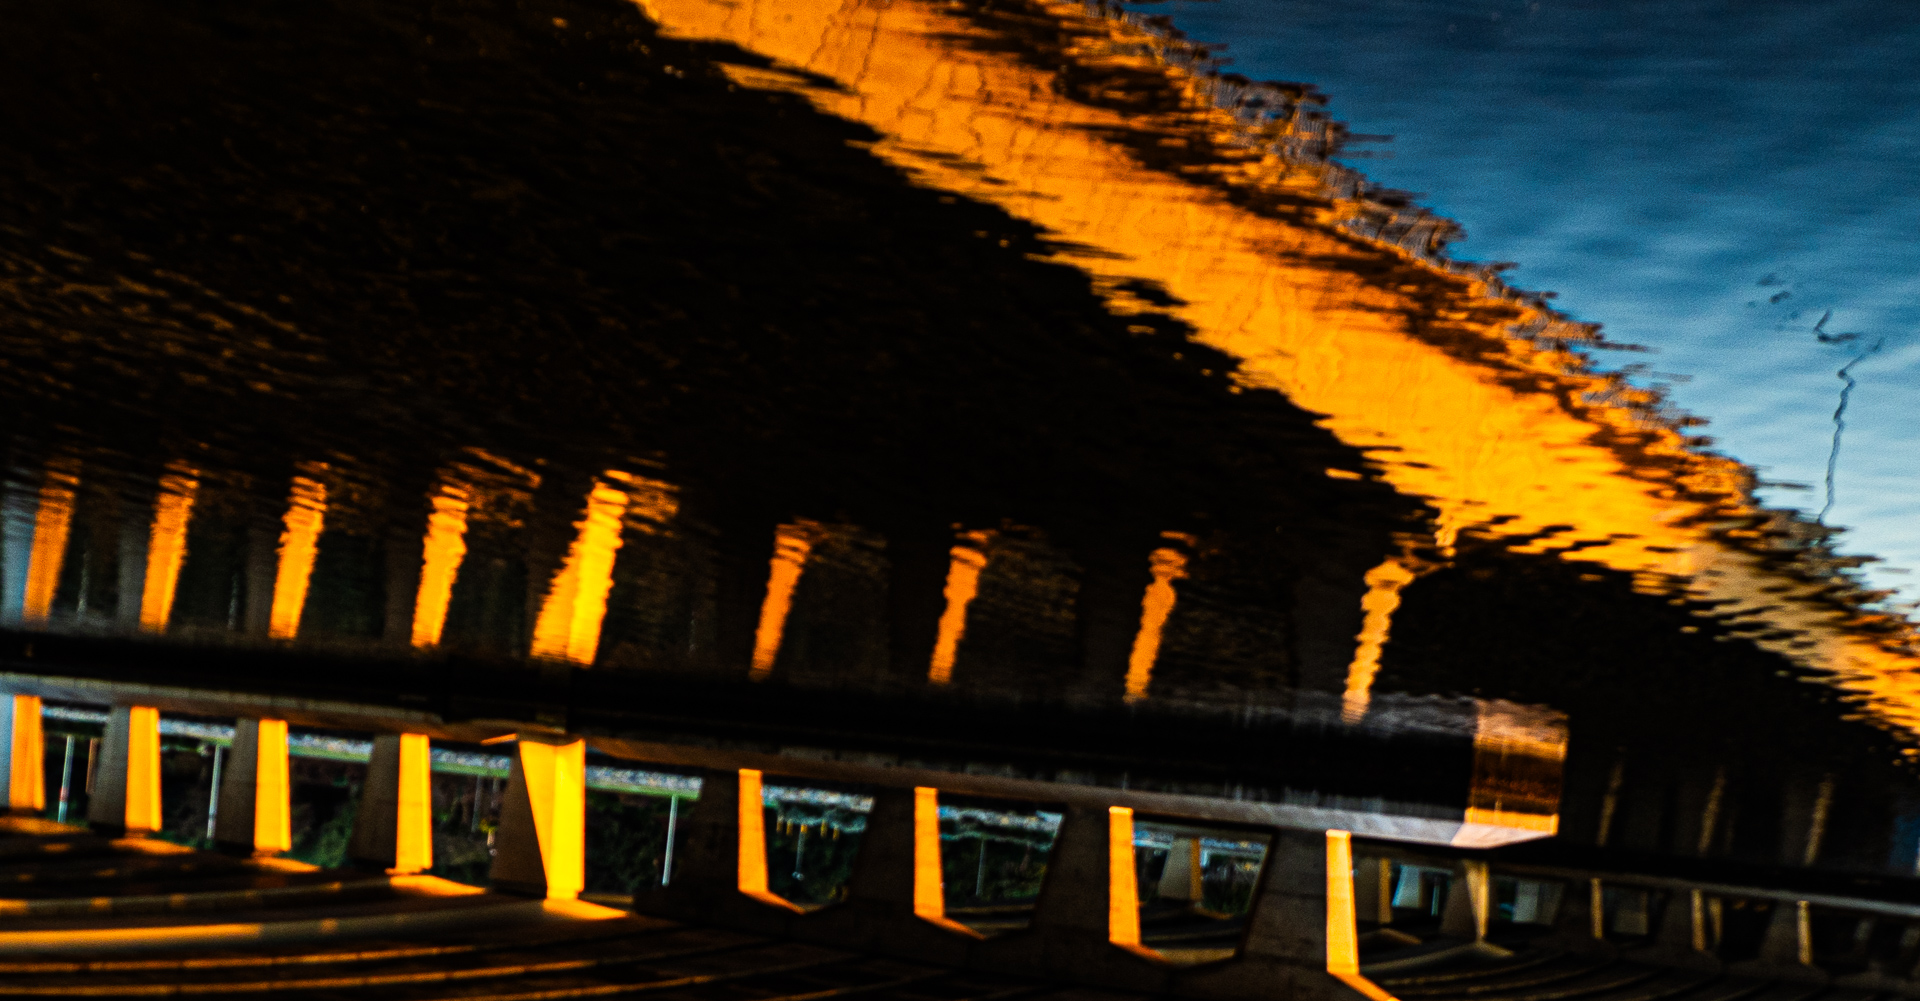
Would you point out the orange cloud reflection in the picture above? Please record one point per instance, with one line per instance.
(1465, 393)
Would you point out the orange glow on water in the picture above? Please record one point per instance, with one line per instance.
(792, 544)
(51, 521)
(299, 544)
(1515, 438)
(963, 582)
(576, 604)
(167, 547)
(443, 550)
(1167, 565)
(1384, 584)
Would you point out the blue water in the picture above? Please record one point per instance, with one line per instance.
(1704, 179)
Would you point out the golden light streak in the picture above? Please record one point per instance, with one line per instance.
(1123, 890)
(1384, 584)
(26, 774)
(1167, 566)
(1509, 441)
(1343, 940)
(167, 547)
(272, 788)
(413, 813)
(569, 624)
(299, 544)
(792, 544)
(556, 777)
(51, 521)
(442, 551)
(969, 558)
(143, 769)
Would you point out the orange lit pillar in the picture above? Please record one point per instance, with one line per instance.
(255, 810)
(126, 783)
(25, 768)
(896, 899)
(540, 847)
(393, 829)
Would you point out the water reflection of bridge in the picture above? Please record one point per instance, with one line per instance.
(889, 397)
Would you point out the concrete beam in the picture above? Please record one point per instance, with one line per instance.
(540, 847)
(24, 767)
(125, 798)
(393, 829)
(255, 814)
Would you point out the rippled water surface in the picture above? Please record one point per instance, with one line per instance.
(1708, 180)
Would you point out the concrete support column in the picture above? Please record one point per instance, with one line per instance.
(393, 829)
(126, 783)
(1086, 925)
(540, 848)
(24, 769)
(1469, 902)
(1180, 880)
(1301, 941)
(720, 870)
(896, 899)
(256, 810)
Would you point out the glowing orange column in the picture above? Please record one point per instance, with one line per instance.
(255, 809)
(394, 826)
(929, 887)
(166, 548)
(541, 843)
(1123, 889)
(25, 748)
(1343, 940)
(126, 785)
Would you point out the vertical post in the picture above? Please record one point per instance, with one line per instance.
(25, 749)
(541, 845)
(255, 811)
(213, 792)
(125, 797)
(673, 823)
(394, 827)
(66, 782)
